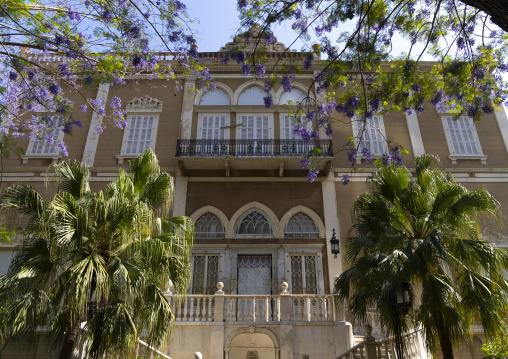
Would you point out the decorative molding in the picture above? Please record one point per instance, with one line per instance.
(251, 41)
(309, 212)
(144, 103)
(252, 330)
(454, 158)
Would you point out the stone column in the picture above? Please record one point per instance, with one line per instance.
(331, 222)
(180, 197)
(415, 134)
(93, 136)
(370, 343)
(502, 122)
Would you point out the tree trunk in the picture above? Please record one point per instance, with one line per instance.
(444, 340)
(496, 9)
(69, 341)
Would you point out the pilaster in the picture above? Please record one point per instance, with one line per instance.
(187, 109)
(180, 197)
(93, 136)
(415, 134)
(502, 122)
(331, 222)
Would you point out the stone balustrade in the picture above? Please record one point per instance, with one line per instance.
(256, 308)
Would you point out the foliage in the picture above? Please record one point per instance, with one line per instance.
(92, 42)
(99, 260)
(417, 256)
(497, 349)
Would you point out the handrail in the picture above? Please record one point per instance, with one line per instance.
(154, 350)
(347, 352)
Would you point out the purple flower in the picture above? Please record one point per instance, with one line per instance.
(268, 101)
(307, 62)
(268, 86)
(67, 128)
(99, 129)
(437, 98)
(472, 111)
(54, 88)
(13, 75)
(134, 32)
(313, 173)
(352, 102)
(83, 108)
(138, 61)
(310, 115)
(246, 69)
(242, 4)
(345, 179)
(88, 80)
(367, 155)
(351, 155)
(63, 148)
(396, 156)
(305, 162)
(60, 109)
(385, 160)
(286, 83)
(107, 15)
(121, 124)
(116, 102)
(193, 52)
(260, 69)
(416, 88)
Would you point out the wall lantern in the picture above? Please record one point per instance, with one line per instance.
(335, 244)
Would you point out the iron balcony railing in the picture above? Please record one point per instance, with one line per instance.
(253, 148)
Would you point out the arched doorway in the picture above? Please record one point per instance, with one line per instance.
(252, 343)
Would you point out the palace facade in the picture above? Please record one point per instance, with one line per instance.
(262, 231)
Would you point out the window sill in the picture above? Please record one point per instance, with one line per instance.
(121, 158)
(454, 158)
(359, 159)
(54, 157)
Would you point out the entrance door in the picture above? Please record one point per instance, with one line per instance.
(254, 274)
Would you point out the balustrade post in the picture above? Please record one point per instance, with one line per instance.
(286, 308)
(218, 315)
(370, 343)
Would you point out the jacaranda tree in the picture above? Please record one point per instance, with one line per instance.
(97, 264)
(417, 257)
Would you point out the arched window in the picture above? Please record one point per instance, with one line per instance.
(294, 95)
(209, 226)
(254, 224)
(217, 97)
(252, 96)
(301, 225)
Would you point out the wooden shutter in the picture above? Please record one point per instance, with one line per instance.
(139, 134)
(41, 147)
(462, 137)
(213, 127)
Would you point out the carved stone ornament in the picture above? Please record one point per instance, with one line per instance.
(493, 236)
(251, 40)
(252, 354)
(146, 102)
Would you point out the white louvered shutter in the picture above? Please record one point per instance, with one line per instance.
(262, 127)
(41, 147)
(213, 127)
(287, 126)
(462, 138)
(139, 134)
(372, 135)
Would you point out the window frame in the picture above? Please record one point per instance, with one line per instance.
(242, 217)
(282, 127)
(357, 141)
(205, 279)
(239, 126)
(452, 155)
(56, 155)
(223, 234)
(302, 255)
(128, 115)
(227, 124)
(300, 233)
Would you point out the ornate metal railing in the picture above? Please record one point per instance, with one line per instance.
(253, 148)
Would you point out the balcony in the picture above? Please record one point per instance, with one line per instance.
(275, 155)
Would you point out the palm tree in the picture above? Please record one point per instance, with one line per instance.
(99, 261)
(416, 255)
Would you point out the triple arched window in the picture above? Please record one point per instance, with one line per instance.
(254, 224)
